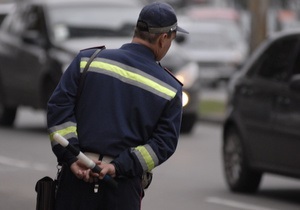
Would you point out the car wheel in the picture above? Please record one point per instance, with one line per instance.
(238, 175)
(188, 122)
(48, 88)
(7, 115)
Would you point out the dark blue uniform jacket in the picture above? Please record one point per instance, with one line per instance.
(130, 108)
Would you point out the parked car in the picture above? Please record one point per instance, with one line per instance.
(261, 132)
(217, 47)
(40, 38)
(216, 42)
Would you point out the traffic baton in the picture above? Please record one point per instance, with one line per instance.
(84, 159)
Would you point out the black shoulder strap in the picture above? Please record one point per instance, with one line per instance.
(82, 77)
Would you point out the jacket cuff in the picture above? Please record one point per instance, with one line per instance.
(71, 160)
(117, 168)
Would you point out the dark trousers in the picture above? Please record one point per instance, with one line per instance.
(75, 194)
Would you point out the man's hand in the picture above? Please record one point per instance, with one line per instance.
(82, 172)
(107, 168)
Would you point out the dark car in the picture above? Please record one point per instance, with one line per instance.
(39, 38)
(261, 131)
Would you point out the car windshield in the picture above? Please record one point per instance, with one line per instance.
(92, 21)
(212, 36)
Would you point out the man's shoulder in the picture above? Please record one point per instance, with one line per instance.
(172, 75)
(94, 48)
(90, 50)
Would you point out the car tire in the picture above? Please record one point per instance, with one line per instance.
(7, 115)
(239, 176)
(188, 122)
(48, 88)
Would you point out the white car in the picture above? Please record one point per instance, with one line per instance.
(216, 42)
(218, 48)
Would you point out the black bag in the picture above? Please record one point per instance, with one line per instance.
(45, 189)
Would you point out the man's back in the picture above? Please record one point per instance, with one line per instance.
(127, 91)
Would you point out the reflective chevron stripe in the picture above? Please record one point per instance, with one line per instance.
(146, 156)
(131, 76)
(67, 130)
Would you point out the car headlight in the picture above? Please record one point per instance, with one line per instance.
(188, 74)
(185, 98)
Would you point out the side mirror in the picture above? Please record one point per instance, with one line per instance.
(295, 82)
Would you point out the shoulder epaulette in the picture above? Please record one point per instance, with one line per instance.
(167, 70)
(96, 47)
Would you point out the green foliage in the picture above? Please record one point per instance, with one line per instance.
(212, 107)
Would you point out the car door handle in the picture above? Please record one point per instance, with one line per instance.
(246, 91)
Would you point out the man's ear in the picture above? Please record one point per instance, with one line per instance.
(161, 40)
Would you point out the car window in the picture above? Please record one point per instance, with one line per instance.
(24, 19)
(34, 20)
(15, 23)
(296, 69)
(5, 9)
(2, 16)
(92, 20)
(278, 61)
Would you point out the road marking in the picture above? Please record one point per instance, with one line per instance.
(235, 204)
(22, 164)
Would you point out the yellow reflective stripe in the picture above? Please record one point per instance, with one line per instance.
(131, 76)
(134, 76)
(83, 63)
(147, 157)
(65, 132)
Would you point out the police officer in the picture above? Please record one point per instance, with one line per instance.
(127, 118)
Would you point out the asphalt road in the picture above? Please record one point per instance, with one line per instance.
(192, 179)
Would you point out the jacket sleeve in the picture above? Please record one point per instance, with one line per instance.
(61, 111)
(159, 147)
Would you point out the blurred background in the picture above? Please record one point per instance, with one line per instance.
(223, 34)
(38, 39)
